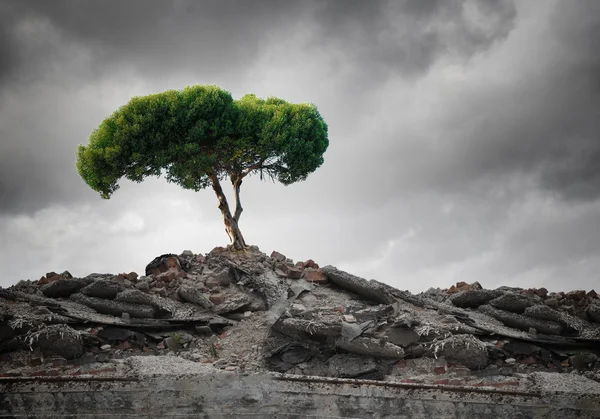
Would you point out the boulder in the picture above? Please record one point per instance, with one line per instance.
(114, 308)
(465, 350)
(278, 256)
(593, 312)
(64, 287)
(314, 275)
(103, 288)
(522, 322)
(59, 339)
(351, 366)
(371, 347)
(402, 336)
(370, 290)
(473, 298)
(166, 262)
(234, 301)
(513, 302)
(195, 296)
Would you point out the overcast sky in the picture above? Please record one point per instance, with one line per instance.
(464, 135)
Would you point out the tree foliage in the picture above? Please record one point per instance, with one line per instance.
(199, 132)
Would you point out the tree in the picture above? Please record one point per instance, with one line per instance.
(200, 136)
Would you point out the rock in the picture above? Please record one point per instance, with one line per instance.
(195, 296)
(583, 360)
(166, 262)
(105, 347)
(510, 361)
(64, 287)
(370, 290)
(402, 336)
(143, 286)
(103, 288)
(135, 296)
(234, 301)
(371, 347)
(351, 366)
(217, 298)
(521, 322)
(314, 275)
(465, 350)
(204, 330)
(593, 312)
(278, 256)
(306, 329)
(187, 254)
(294, 272)
(59, 339)
(310, 264)
(114, 308)
(473, 298)
(515, 303)
(224, 277)
(116, 334)
(543, 312)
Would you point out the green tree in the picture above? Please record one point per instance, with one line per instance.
(198, 137)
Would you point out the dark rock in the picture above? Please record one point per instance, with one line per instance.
(306, 329)
(103, 288)
(278, 256)
(521, 348)
(371, 347)
(64, 287)
(135, 296)
(60, 340)
(115, 308)
(116, 334)
(522, 322)
(166, 262)
(224, 277)
(593, 312)
(370, 290)
(402, 336)
(351, 366)
(515, 303)
(195, 296)
(465, 350)
(583, 360)
(473, 298)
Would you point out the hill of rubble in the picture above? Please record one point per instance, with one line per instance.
(248, 312)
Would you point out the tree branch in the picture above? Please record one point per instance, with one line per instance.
(237, 183)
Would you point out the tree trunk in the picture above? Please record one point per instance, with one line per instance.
(231, 225)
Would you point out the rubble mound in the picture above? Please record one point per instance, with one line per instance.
(246, 311)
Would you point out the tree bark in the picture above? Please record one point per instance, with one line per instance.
(237, 183)
(231, 225)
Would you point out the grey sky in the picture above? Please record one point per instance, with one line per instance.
(463, 135)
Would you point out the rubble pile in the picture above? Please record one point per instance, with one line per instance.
(246, 311)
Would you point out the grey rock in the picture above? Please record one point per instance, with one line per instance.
(60, 340)
(351, 366)
(234, 301)
(370, 290)
(64, 287)
(103, 288)
(224, 277)
(515, 303)
(187, 254)
(114, 308)
(305, 329)
(143, 286)
(543, 312)
(473, 298)
(466, 350)
(522, 322)
(115, 334)
(593, 312)
(402, 336)
(135, 296)
(195, 296)
(371, 347)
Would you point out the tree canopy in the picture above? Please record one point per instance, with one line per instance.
(200, 135)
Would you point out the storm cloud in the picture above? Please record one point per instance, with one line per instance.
(463, 134)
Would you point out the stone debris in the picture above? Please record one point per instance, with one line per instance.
(245, 311)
